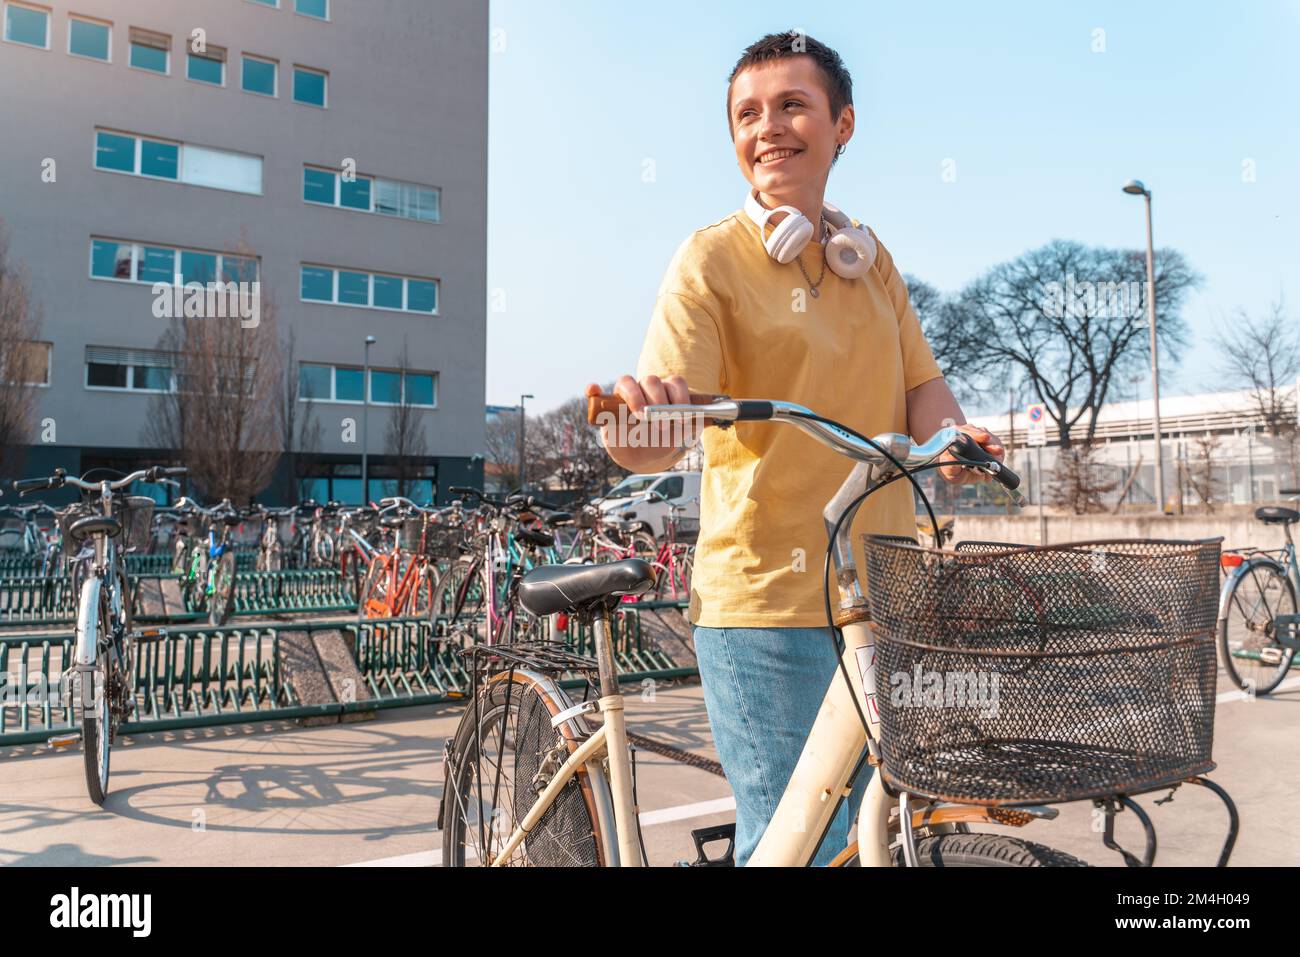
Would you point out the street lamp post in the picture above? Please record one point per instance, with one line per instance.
(522, 427)
(1135, 187)
(365, 422)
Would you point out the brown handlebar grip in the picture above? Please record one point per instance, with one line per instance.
(597, 404)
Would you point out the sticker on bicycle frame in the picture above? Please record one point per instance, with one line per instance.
(867, 672)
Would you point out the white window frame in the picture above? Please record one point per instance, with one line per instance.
(370, 290)
(245, 57)
(129, 388)
(98, 23)
(49, 24)
(366, 385)
(180, 160)
(312, 16)
(293, 86)
(212, 86)
(141, 69)
(374, 181)
(137, 253)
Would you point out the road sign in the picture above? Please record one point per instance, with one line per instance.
(1037, 416)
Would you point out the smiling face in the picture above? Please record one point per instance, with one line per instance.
(783, 131)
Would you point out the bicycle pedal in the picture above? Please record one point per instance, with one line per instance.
(707, 835)
(64, 740)
(1271, 656)
(149, 634)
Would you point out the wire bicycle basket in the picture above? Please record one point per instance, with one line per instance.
(687, 530)
(1023, 675)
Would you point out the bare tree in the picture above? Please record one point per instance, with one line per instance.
(300, 432)
(1263, 355)
(1199, 472)
(569, 450)
(22, 360)
(1081, 481)
(405, 437)
(222, 415)
(502, 448)
(1068, 321)
(951, 332)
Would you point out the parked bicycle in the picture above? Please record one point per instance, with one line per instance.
(529, 780)
(1259, 629)
(208, 575)
(98, 533)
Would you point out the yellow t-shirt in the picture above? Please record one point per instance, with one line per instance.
(726, 320)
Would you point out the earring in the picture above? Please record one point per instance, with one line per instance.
(839, 149)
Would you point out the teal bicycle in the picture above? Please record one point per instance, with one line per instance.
(1259, 628)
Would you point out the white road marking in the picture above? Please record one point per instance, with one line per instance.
(664, 815)
(1237, 695)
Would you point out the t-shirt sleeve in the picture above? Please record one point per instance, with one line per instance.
(918, 360)
(684, 337)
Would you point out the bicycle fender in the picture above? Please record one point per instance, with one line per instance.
(1230, 582)
(87, 635)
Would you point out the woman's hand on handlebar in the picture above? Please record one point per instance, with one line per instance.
(990, 443)
(647, 446)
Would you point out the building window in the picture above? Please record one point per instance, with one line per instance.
(259, 75)
(348, 287)
(29, 26)
(150, 51)
(208, 66)
(318, 382)
(138, 262)
(320, 9)
(89, 38)
(134, 370)
(266, 3)
(309, 86)
(371, 194)
(186, 163)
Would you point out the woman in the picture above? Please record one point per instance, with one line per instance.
(749, 308)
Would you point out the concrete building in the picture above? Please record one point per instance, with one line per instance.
(1217, 440)
(333, 150)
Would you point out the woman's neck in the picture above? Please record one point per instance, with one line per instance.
(808, 202)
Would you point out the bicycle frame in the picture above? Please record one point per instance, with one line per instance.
(839, 736)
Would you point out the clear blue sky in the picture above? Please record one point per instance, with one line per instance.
(1043, 132)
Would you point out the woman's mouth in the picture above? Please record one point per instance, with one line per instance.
(773, 157)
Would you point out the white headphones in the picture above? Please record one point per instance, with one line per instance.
(850, 251)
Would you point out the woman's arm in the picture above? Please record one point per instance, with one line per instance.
(930, 407)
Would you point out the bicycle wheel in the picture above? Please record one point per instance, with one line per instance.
(985, 850)
(502, 756)
(222, 602)
(1251, 656)
(92, 696)
(373, 600)
(458, 596)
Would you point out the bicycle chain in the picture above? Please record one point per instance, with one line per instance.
(676, 754)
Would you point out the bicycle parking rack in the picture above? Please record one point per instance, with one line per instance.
(202, 677)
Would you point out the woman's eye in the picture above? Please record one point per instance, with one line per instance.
(795, 102)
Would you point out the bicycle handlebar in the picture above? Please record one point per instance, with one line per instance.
(725, 411)
(60, 478)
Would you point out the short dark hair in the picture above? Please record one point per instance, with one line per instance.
(783, 46)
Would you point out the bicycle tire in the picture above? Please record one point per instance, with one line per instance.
(986, 850)
(568, 833)
(1232, 664)
(96, 725)
(223, 590)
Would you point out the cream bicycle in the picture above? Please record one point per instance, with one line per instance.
(1127, 655)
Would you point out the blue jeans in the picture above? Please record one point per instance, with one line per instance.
(762, 689)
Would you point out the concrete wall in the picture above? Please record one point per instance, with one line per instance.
(1237, 530)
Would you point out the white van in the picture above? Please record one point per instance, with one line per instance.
(629, 495)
